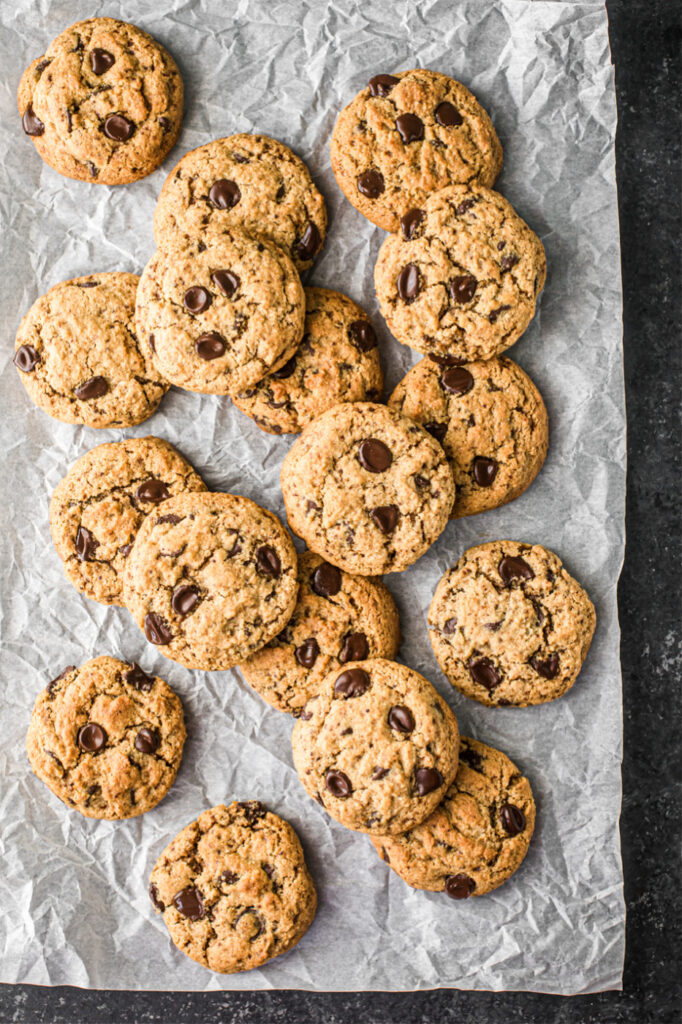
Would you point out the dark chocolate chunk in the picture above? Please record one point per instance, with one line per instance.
(153, 491)
(410, 128)
(401, 719)
(484, 672)
(385, 517)
(410, 221)
(447, 115)
(31, 123)
(101, 60)
(26, 358)
(268, 561)
(285, 371)
(407, 283)
(463, 288)
(355, 648)
(224, 194)
(513, 819)
(190, 903)
(147, 741)
(184, 600)
(210, 346)
(485, 471)
(427, 779)
(547, 667)
(156, 629)
(381, 85)
(363, 335)
(91, 737)
(309, 242)
(197, 299)
(85, 545)
(306, 654)
(338, 784)
(93, 388)
(511, 567)
(352, 683)
(371, 184)
(459, 887)
(374, 455)
(456, 380)
(326, 580)
(226, 281)
(118, 128)
(136, 677)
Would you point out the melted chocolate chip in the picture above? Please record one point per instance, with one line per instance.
(410, 221)
(507, 262)
(224, 194)
(494, 313)
(306, 654)
(326, 580)
(355, 648)
(196, 300)
(374, 455)
(459, 887)
(379, 773)
(253, 810)
(450, 625)
(485, 471)
(427, 779)
(170, 518)
(381, 85)
(190, 903)
(463, 288)
(465, 205)
(268, 561)
(156, 629)
(91, 737)
(31, 123)
(456, 380)
(546, 668)
(309, 242)
(407, 283)
(484, 672)
(136, 677)
(26, 358)
(210, 346)
(118, 128)
(447, 115)
(470, 757)
(401, 719)
(363, 335)
(101, 61)
(153, 491)
(154, 897)
(228, 878)
(437, 430)
(410, 127)
(165, 123)
(513, 819)
(285, 371)
(226, 281)
(93, 388)
(85, 545)
(511, 567)
(184, 600)
(338, 784)
(147, 741)
(371, 184)
(385, 517)
(352, 683)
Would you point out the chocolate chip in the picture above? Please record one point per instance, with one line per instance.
(456, 380)
(256, 921)
(401, 719)
(437, 430)
(427, 779)
(465, 205)
(26, 358)
(463, 288)
(355, 648)
(338, 784)
(91, 737)
(484, 672)
(32, 124)
(379, 773)
(352, 683)
(165, 123)
(210, 346)
(190, 903)
(226, 281)
(363, 335)
(268, 561)
(546, 668)
(153, 491)
(485, 471)
(407, 283)
(309, 242)
(305, 716)
(494, 313)
(381, 85)
(184, 600)
(513, 819)
(147, 741)
(118, 128)
(448, 116)
(136, 677)
(385, 517)
(374, 455)
(507, 262)
(421, 482)
(253, 810)
(224, 194)
(196, 300)
(410, 221)
(512, 567)
(151, 342)
(410, 127)
(306, 654)
(371, 184)
(85, 545)
(459, 887)
(53, 682)
(228, 878)
(285, 371)
(125, 549)
(101, 60)
(156, 629)
(170, 518)
(93, 388)
(154, 897)
(326, 580)
(470, 757)
(450, 625)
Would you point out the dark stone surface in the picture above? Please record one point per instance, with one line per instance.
(645, 39)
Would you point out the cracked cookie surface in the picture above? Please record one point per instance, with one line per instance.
(210, 579)
(77, 354)
(103, 103)
(337, 618)
(99, 506)
(491, 421)
(337, 361)
(234, 888)
(367, 489)
(216, 318)
(479, 834)
(508, 625)
(408, 135)
(249, 182)
(465, 280)
(107, 738)
(377, 747)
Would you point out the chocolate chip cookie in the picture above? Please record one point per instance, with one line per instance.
(377, 747)
(234, 888)
(462, 277)
(477, 837)
(367, 489)
(216, 318)
(210, 579)
(78, 357)
(508, 624)
(408, 135)
(107, 738)
(490, 419)
(99, 506)
(338, 618)
(337, 361)
(249, 182)
(103, 103)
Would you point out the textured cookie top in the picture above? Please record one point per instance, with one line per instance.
(217, 318)
(337, 361)
(490, 419)
(233, 888)
(249, 182)
(407, 135)
(376, 747)
(78, 357)
(462, 278)
(99, 506)
(103, 103)
(367, 489)
(338, 618)
(107, 738)
(479, 834)
(508, 624)
(210, 579)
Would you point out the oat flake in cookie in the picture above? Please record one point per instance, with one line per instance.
(477, 837)
(107, 738)
(462, 283)
(508, 624)
(210, 579)
(99, 506)
(103, 103)
(234, 888)
(367, 488)
(77, 354)
(377, 747)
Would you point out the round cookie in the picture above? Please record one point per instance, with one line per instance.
(99, 506)
(338, 618)
(107, 738)
(249, 182)
(103, 103)
(78, 356)
(234, 888)
(210, 579)
(491, 421)
(408, 135)
(508, 624)
(337, 361)
(463, 280)
(367, 489)
(477, 837)
(377, 747)
(217, 318)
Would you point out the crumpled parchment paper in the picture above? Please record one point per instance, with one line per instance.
(73, 892)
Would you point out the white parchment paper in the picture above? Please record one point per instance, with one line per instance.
(73, 892)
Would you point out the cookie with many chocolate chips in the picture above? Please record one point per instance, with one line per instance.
(463, 282)
(508, 624)
(217, 318)
(99, 506)
(367, 488)
(338, 618)
(234, 888)
(377, 747)
(337, 361)
(249, 182)
(77, 354)
(477, 837)
(210, 579)
(103, 103)
(408, 135)
(491, 421)
(107, 738)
